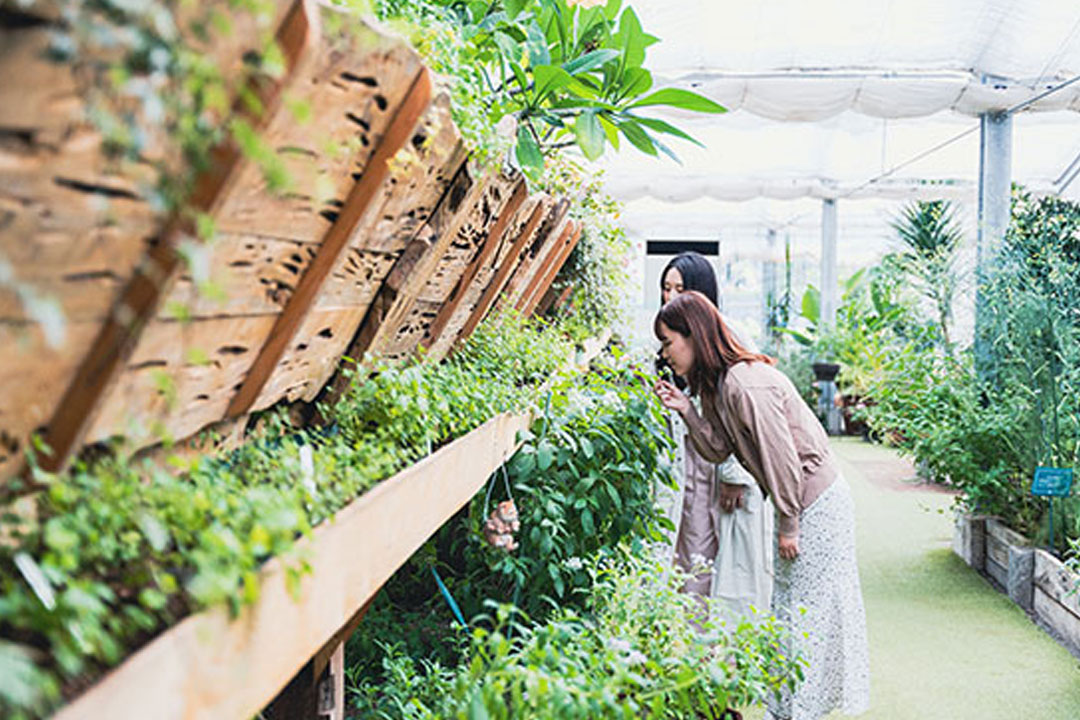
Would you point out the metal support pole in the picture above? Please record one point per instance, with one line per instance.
(829, 281)
(995, 180)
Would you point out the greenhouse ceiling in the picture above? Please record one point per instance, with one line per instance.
(875, 98)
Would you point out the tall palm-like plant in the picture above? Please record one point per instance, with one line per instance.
(931, 238)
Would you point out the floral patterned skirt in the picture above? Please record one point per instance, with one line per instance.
(817, 596)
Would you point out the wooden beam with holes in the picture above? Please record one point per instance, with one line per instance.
(534, 256)
(403, 340)
(141, 297)
(311, 284)
(550, 252)
(268, 241)
(538, 207)
(398, 293)
(444, 330)
(552, 271)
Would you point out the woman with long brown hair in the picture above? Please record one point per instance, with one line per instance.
(753, 411)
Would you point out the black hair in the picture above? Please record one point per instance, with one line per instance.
(697, 274)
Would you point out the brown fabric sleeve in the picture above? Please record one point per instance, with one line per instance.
(761, 412)
(711, 443)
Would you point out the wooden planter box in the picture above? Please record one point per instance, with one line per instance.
(990, 546)
(211, 666)
(1056, 601)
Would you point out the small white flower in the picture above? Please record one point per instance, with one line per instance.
(635, 658)
(575, 563)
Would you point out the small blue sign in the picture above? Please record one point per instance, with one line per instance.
(1052, 482)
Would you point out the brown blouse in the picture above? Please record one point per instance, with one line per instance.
(759, 416)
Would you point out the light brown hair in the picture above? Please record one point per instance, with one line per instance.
(715, 348)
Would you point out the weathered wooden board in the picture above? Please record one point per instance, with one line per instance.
(29, 375)
(255, 275)
(180, 378)
(400, 127)
(54, 223)
(209, 666)
(405, 335)
(541, 206)
(533, 257)
(1057, 581)
(357, 81)
(394, 302)
(419, 175)
(443, 331)
(313, 355)
(567, 238)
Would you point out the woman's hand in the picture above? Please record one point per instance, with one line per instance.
(789, 547)
(731, 496)
(671, 397)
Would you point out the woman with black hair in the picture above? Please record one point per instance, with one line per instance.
(725, 521)
(751, 410)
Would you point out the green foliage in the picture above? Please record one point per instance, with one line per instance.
(986, 432)
(566, 73)
(931, 236)
(597, 268)
(116, 551)
(583, 481)
(630, 653)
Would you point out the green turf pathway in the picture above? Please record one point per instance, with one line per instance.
(944, 645)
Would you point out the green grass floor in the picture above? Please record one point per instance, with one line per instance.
(944, 644)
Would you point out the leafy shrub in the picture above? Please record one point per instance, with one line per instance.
(115, 551)
(630, 653)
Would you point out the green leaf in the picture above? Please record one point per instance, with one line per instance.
(811, 304)
(544, 456)
(514, 7)
(528, 152)
(539, 54)
(590, 136)
(635, 82)
(610, 130)
(590, 60)
(667, 129)
(679, 98)
(632, 39)
(548, 79)
(637, 136)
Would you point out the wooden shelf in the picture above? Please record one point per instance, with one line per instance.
(211, 666)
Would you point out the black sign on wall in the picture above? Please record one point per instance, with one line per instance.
(674, 247)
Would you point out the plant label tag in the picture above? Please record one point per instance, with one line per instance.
(1052, 482)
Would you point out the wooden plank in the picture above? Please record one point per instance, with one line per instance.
(554, 300)
(143, 293)
(540, 209)
(534, 256)
(179, 379)
(209, 666)
(30, 375)
(311, 283)
(313, 355)
(397, 297)
(541, 279)
(257, 276)
(1057, 581)
(358, 82)
(444, 329)
(1063, 622)
(552, 272)
(408, 197)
